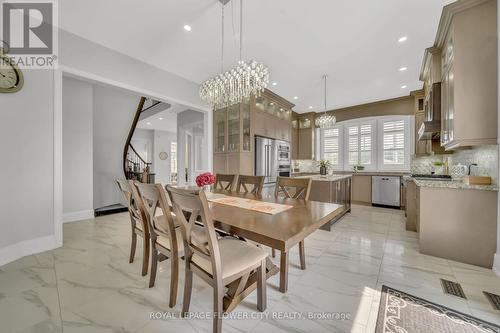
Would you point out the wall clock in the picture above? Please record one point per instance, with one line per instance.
(11, 77)
(163, 156)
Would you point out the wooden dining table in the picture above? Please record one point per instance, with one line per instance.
(280, 231)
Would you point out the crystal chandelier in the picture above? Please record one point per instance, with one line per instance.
(237, 84)
(325, 120)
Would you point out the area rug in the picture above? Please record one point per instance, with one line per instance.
(400, 312)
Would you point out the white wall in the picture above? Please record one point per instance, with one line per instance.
(77, 150)
(27, 168)
(162, 168)
(114, 112)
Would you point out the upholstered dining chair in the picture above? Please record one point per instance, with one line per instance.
(138, 222)
(165, 237)
(250, 184)
(224, 263)
(224, 182)
(294, 188)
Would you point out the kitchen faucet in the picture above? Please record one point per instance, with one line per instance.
(468, 168)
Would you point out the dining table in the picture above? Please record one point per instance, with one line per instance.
(280, 231)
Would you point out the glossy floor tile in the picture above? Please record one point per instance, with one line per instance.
(89, 286)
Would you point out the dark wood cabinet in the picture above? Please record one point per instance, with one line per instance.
(335, 191)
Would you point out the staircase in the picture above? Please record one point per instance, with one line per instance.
(134, 166)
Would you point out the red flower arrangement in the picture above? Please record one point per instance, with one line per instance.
(205, 179)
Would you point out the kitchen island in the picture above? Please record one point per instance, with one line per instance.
(332, 188)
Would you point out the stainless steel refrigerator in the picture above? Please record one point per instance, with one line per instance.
(266, 159)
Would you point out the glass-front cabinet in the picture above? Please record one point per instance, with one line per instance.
(265, 104)
(220, 130)
(232, 129)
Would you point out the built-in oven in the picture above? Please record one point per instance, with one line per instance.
(284, 170)
(283, 152)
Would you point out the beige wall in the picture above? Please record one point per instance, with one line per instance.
(398, 106)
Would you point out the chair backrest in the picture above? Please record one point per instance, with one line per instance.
(133, 204)
(250, 184)
(294, 188)
(154, 197)
(194, 203)
(224, 182)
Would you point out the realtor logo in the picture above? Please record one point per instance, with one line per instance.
(29, 31)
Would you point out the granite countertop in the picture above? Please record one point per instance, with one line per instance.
(451, 184)
(327, 178)
(361, 173)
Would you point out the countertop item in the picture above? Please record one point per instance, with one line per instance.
(326, 178)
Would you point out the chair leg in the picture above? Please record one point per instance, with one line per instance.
(154, 265)
(261, 287)
(145, 255)
(174, 279)
(133, 245)
(218, 311)
(273, 253)
(188, 287)
(302, 253)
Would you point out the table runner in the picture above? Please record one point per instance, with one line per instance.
(255, 205)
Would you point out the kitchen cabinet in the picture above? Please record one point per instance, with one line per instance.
(411, 206)
(236, 126)
(362, 189)
(467, 40)
(295, 139)
(305, 136)
(335, 191)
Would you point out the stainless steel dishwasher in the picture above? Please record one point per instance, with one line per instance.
(386, 191)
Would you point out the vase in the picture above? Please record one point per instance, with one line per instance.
(206, 188)
(322, 171)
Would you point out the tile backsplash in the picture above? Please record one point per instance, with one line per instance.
(486, 157)
(305, 165)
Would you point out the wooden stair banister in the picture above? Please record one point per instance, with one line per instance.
(139, 165)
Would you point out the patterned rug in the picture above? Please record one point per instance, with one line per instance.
(403, 313)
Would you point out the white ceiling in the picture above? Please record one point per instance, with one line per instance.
(355, 42)
(164, 121)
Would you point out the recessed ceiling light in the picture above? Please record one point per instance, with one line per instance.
(271, 103)
(402, 39)
(160, 118)
(274, 83)
(402, 69)
(404, 86)
(148, 123)
(187, 27)
(310, 107)
(295, 97)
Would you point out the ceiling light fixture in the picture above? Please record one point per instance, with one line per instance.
(160, 118)
(295, 97)
(325, 120)
(402, 69)
(187, 27)
(404, 86)
(274, 83)
(402, 39)
(240, 82)
(148, 123)
(310, 107)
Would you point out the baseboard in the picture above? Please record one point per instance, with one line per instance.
(496, 264)
(78, 216)
(25, 248)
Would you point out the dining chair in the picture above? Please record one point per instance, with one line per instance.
(250, 184)
(138, 222)
(224, 263)
(165, 237)
(224, 182)
(294, 188)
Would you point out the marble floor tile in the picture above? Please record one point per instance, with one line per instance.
(88, 285)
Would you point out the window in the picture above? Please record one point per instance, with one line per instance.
(395, 143)
(173, 162)
(377, 143)
(360, 137)
(330, 145)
